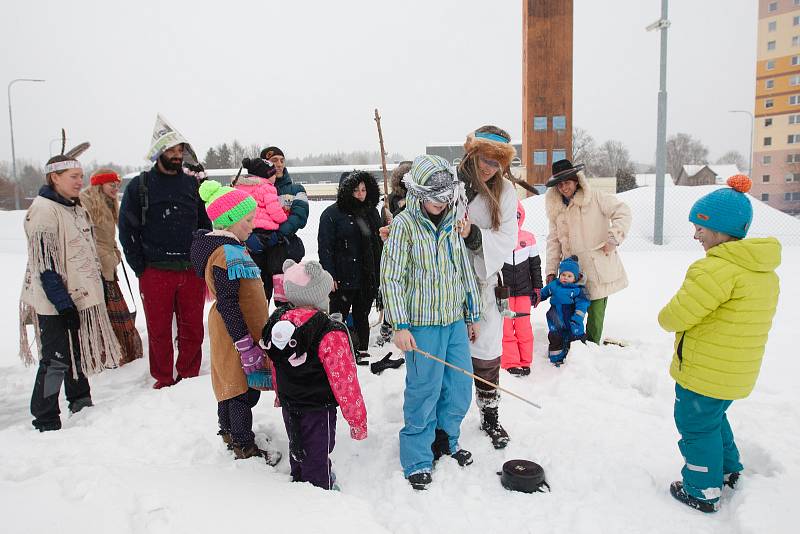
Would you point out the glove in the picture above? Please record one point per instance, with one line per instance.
(271, 239)
(70, 318)
(536, 298)
(379, 301)
(576, 328)
(252, 355)
(259, 167)
(254, 244)
(550, 278)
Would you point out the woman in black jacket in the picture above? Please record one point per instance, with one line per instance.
(350, 250)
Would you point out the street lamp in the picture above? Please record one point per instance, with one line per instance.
(662, 24)
(11, 125)
(752, 121)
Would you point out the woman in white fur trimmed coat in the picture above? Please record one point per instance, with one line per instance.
(591, 225)
(490, 234)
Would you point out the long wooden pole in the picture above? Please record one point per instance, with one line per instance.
(479, 379)
(386, 210)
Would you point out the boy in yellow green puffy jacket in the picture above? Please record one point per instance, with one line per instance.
(721, 316)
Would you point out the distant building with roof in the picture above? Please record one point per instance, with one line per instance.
(706, 174)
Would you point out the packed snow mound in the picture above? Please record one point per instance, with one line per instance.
(678, 231)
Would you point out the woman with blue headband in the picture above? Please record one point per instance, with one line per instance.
(490, 234)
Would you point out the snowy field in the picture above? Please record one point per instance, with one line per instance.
(145, 461)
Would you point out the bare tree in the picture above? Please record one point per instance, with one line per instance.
(733, 157)
(683, 149)
(584, 150)
(613, 158)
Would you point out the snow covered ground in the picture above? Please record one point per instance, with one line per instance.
(149, 461)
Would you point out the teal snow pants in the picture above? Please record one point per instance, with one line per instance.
(706, 443)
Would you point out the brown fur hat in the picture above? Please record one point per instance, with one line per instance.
(397, 176)
(502, 152)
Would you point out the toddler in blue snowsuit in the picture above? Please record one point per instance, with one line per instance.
(568, 305)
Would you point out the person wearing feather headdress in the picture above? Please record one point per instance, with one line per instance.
(490, 234)
(62, 295)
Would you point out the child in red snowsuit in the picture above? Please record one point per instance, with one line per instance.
(522, 272)
(315, 371)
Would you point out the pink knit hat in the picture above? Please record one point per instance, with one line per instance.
(225, 205)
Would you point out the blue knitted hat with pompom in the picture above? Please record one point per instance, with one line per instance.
(726, 210)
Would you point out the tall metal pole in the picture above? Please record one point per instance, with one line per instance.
(661, 130)
(11, 125)
(752, 123)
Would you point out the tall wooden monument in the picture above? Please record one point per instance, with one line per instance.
(546, 86)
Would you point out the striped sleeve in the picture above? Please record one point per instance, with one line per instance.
(394, 274)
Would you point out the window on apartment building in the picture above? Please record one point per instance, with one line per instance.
(769, 84)
(767, 141)
(793, 139)
(770, 64)
(791, 197)
(766, 160)
(560, 122)
(772, 26)
(765, 178)
(540, 157)
(795, 197)
(795, 61)
(797, 2)
(796, 40)
(768, 122)
(559, 155)
(768, 103)
(794, 80)
(792, 177)
(794, 119)
(792, 158)
(794, 100)
(765, 197)
(771, 44)
(787, 197)
(540, 123)
(796, 20)
(772, 7)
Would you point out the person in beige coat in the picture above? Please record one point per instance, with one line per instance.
(62, 296)
(100, 201)
(590, 225)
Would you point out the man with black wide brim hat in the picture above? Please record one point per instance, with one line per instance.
(590, 225)
(564, 170)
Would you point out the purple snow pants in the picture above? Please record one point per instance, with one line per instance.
(312, 435)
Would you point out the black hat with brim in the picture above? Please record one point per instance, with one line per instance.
(524, 476)
(563, 170)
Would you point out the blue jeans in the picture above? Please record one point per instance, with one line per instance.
(436, 396)
(706, 443)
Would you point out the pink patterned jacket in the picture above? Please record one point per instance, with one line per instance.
(339, 364)
(269, 212)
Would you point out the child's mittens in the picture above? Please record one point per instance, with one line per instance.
(576, 328)
(358, 432)
(252, 355)
(536, 297)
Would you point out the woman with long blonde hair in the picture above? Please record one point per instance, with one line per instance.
(490, 234)
(100, 200)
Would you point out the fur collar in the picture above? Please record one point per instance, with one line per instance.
(554, 203)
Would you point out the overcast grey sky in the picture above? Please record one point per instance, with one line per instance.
(306, 75)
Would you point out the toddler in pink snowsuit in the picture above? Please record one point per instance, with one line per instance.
(522, 273)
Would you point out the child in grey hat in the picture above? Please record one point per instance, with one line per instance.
(315, 372)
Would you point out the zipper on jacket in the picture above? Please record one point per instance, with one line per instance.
(679, 351)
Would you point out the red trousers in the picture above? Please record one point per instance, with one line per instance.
(164, 294)
(517, 335)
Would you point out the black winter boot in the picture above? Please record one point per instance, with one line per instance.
(79, 404)
(677, 491)
(420, 480)
(490, 422)
(731, 479)
(441, 447)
